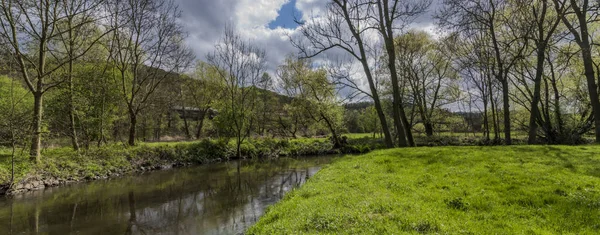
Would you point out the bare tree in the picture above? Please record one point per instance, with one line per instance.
(146, 49)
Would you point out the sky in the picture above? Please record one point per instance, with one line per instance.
(267, 22)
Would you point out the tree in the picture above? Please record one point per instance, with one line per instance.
(577, 19)
(545, 24)
(425, 65)
(239, 65)
(391, 16)
(506, 38)
(146, 49)
(344, 26)
(29, 28)
(79, 24)
(204, 89)
(312, 93)
(15, 106)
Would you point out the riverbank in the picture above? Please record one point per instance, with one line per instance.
(61, 166)
(474, 190)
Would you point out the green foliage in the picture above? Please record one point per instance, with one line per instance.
(443, 190)
(16, 104)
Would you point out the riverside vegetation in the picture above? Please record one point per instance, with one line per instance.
(63, 165)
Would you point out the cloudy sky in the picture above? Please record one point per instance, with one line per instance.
(267, 22)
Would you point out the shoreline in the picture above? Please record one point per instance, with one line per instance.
(63, 167)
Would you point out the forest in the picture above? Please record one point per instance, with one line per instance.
(87, 73)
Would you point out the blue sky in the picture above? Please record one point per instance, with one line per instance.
(285, 19)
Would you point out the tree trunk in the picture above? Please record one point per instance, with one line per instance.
(132, 123)
(557, 112)
(71, 105)
(36, 140)
(409, 136)
(200, 124)
(506, 109)
(389, 143)
(591, 83)
(586, 53)
(186, 125)
(401, 131)
(428, 128)
(397, 109)
(486, 123)
(536, 94)
(494, 109)
(334, 137)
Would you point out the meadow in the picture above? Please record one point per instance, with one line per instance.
(447, 190)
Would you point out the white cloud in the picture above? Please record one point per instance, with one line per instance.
(205, 21)
(252, 14)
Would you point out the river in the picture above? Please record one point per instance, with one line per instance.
(209, 199)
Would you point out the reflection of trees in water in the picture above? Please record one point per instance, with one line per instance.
(194, 200)
(228, 203)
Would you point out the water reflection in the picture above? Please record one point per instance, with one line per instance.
(212, 199)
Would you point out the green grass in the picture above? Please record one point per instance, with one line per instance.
(447, 190)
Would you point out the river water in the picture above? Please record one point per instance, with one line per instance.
(210, 199)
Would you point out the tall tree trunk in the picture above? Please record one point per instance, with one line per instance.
(377, 102)
(591, 83)
(401, 131)
(389, 143)
(71, 105)
(132, 124)
(506, 111)
(557, 112)
(36, 140)
(397, 107)
(535, 112)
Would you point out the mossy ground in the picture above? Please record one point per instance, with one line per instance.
(447, 190)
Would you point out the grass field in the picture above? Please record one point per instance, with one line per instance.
(447, 190)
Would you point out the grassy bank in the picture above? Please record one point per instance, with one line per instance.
(63, 165)
(448, 190)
